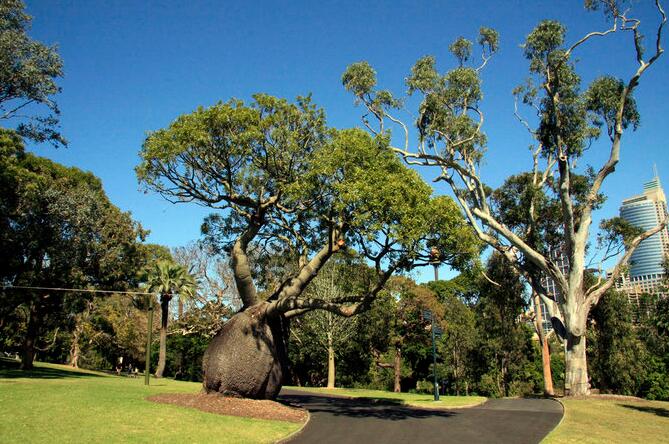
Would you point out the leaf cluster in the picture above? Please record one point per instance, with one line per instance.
(28, 73)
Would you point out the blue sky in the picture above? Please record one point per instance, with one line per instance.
(133, 66)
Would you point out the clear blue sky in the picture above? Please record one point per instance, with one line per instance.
(133, 66)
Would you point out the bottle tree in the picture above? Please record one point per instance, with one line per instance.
(285, 184)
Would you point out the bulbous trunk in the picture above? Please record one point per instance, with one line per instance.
(576, 367)
(248, 357)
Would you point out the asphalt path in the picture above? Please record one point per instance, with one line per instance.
(342, 420)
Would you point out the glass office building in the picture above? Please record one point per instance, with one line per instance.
(646, 266)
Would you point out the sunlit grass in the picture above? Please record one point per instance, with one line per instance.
(56, 404)
(414, 399)
(612, 421)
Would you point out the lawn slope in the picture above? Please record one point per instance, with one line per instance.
(55, 404)
(612, 421)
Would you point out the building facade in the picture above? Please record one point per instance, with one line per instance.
(552, 291)
(646, 267)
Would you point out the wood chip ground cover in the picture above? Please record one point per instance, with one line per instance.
(249, 408)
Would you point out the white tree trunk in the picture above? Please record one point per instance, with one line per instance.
(576, 367)
(331, 362)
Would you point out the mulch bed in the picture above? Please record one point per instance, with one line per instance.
(248, 408)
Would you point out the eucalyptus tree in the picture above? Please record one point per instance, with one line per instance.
(450, 138)
(28, 73)
(284, 184)
(168, 280)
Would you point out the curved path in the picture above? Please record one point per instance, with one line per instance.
(343, 420)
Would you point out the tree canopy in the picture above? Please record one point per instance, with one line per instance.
(28, 74)
(58, 229)
(286, 184)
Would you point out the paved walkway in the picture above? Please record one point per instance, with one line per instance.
(341, 420)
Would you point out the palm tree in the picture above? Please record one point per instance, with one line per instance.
(168, 280)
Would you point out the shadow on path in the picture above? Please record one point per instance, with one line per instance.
(387, 410)
(342, 420)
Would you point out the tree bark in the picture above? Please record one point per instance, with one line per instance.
(576, 367)
(32, 329)
(397, 367)
(248, 357)
(162, 353)
(545, 351)
(75, 350)
(331, 362)
(456, 373)
(546, 365)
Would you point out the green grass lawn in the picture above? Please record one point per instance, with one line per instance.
(414, 399)
(56, 404)
(612, 421)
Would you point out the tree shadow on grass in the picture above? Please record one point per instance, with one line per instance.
(659, 411)
(380, 408)
(10, 369)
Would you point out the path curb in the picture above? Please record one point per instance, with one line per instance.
(296, 432)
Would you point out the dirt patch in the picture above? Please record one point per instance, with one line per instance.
(248, 408)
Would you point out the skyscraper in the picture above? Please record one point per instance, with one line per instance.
(646, 270)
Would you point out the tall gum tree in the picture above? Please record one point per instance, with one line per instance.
(283, 183)
(450, 138)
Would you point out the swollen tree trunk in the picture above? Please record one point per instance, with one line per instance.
(32, 329)
(576, 367)
(164, 314)
(397, 367)
(331, 362)
(248, 357)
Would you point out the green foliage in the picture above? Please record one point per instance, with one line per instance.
(28, 73)
(654, 332)
(460, 337)
(290, 183)
(488, 39)
(602, 100)
(359, 78)
(167, 278)
(543, 41)
(184, 356)
(58, 229)
(617, 357)
(505, 356)
(461, 48)
(569, 119)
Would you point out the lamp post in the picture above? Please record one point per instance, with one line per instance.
(434, 260)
